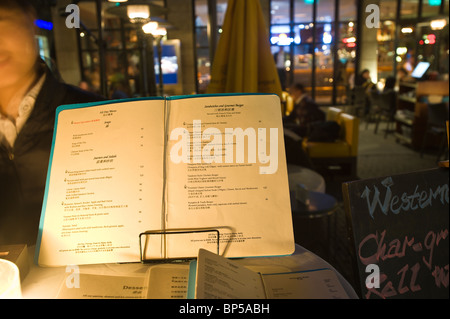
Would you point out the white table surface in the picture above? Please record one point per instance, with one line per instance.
(44, 283)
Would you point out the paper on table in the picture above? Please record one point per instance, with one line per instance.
(218, 277)
(91, 286)
(168, 281)
(315, 284)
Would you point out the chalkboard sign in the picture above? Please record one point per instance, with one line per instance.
(399, 227)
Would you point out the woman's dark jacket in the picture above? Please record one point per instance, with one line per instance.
(23, 168)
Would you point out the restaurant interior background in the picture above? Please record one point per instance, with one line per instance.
(324, 43)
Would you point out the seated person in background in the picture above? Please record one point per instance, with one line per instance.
(390, 94)
(402, 76)
(363, 80)
(297, 125)
(305, 112)
(29, 95)
(389, 84)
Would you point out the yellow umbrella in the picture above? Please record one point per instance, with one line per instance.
(243, 62)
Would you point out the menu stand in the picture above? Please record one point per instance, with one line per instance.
(145, 237)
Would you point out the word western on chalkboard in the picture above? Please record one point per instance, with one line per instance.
(419, 199)
(399, 226)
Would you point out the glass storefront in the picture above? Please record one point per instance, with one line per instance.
(319, 53)
(405, 40)
(315, 42)
(301, 42)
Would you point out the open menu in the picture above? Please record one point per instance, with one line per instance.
(215, 277)
(123, 175)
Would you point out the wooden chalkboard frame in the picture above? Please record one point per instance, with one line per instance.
(399, 223)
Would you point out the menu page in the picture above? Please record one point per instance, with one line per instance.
(168, 281)
(314, 284)
(218, 277)
(93, 286)
(105, 184)
(226, 169)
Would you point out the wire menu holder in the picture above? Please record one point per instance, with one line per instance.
(158, 245)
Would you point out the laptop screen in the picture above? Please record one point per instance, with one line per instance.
(420, 70)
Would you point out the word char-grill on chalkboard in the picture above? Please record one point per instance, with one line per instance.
(399, 226)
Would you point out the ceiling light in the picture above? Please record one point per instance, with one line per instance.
(138, 13)
(150, 27)
(438, 24)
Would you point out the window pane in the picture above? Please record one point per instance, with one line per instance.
(386, 49)
(409, 9)
(280, 35)
(443, 52)
(88, 42)
(221, 10)
(406, 48)
(324, 33)
(204, 69)
(345, 64)
(91, 69)
(303, 11)
(131, 39)
(428, 48)
(388, 9)
(202, 37)
(324, 74)
(302, 63)
(303, 33)
(279, 11)
(133, 72)
(201, 13)
(282, 62)
(430, 7)
(113, 39)
(325, 11)
(347, 10)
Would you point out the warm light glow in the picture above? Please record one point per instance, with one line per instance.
(160, 32)
(407, 30)
(9, 280)
(150, 27)
(138, 12)
(117, 0)
(349, 40)
(402, 50)
(438, 24)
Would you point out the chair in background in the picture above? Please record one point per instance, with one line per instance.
(359, 99)
(341, 153)
(287, 102)
(387, 106)
(374, 100)
(436, 125)
(332, 113)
